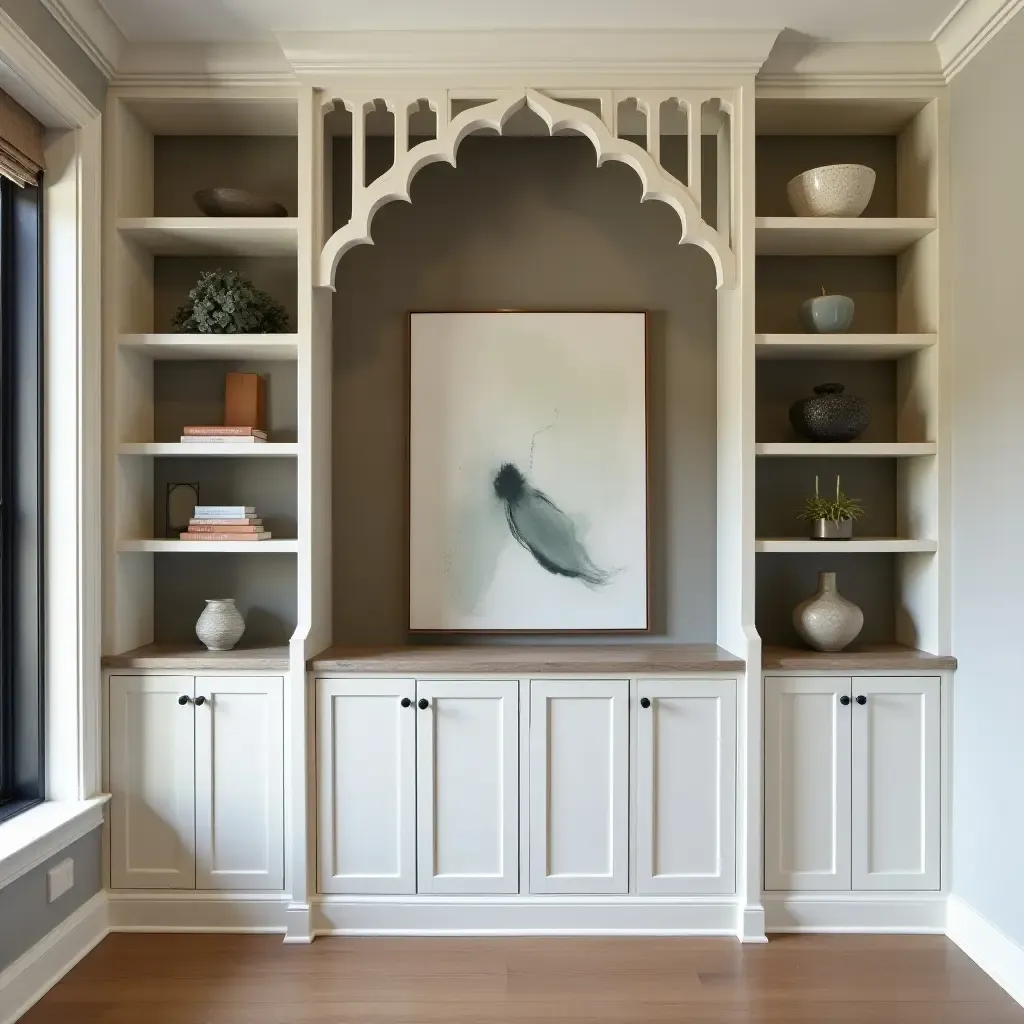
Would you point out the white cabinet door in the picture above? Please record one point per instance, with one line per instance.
(152, 779)
(366, 786)
(239, 724)
(896, 787)
(686, 787)
(467, 742)
(807, 783)
(579, 786)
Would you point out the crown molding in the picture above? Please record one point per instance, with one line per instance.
(92, 29)
(814, 64)
(527, 55)
(181, 65)
(971, 26)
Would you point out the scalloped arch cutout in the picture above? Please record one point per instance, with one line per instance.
(657, 183)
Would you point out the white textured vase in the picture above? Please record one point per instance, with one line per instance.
(221, 625)
(827, 621)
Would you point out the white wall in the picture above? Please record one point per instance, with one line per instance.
(988, 482)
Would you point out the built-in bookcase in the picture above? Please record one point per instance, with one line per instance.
(159, 151)
(889, 262)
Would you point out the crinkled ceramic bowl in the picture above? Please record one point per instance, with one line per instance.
(836, 190)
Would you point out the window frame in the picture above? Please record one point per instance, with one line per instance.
(22, 537)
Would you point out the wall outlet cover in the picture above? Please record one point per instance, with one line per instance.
(60, 879)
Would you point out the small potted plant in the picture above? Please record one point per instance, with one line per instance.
(224, 302)
(831, 518)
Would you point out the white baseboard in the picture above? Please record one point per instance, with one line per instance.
(995, 953)
(254, 913)
(35, 972)
(523, 915)
(915, 914)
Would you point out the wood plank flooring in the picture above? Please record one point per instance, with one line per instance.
(243, 979)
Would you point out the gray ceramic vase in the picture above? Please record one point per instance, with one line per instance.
(827, 314)
(221, 625)
(827, 621)
(830, 415)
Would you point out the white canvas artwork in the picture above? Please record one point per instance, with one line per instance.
(528, 472)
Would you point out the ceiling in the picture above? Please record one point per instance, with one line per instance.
(256, 20)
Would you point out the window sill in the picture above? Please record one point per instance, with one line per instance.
(33, 837)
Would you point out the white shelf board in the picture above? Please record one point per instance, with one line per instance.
(193, 547)
(861, 545)
(223, 449)
(840, 346)
(213, 346)
(216, 236)
(847, 449)
(839, 236)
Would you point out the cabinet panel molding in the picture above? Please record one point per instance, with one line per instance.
(467, 784)
(579, 786)
(686, 781)
(896, 783)
(366, 792)
(239, 783)
(152, 781)
(807, 782)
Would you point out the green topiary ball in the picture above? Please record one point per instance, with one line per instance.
(224, 302)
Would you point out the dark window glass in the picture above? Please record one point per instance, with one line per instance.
(21, 499)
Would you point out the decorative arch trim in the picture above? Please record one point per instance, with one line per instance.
(657, 183)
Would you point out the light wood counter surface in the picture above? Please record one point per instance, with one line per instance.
(529, 660)
(876, 658)
(189, 658)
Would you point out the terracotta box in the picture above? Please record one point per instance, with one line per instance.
(245, 401)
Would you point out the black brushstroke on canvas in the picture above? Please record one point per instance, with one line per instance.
(544, 529)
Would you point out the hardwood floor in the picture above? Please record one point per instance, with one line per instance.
(240, 979)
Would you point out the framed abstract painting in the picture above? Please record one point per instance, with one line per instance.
(528, 472)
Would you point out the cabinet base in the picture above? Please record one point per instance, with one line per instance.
(524, 915)
(911, 913)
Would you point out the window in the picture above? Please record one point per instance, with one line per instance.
(21, 499)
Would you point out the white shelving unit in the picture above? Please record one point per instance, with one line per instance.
(154, 248)
(910, 340)
(901, 239)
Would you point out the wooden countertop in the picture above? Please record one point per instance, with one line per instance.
(192, 658)
(875, 658)
(529, 659)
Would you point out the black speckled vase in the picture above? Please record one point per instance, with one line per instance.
(830, 415)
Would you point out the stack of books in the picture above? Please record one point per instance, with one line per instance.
(228, 435)
(225, 522)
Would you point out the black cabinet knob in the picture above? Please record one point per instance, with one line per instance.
(183, 700)
(424, 704)
(645, 702)
(844, 700)
(861, 699)
(200, 701)
(406, 703)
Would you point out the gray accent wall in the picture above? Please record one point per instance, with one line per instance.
(988, 439)
(521, 223)
(26, 917)
(46, 32)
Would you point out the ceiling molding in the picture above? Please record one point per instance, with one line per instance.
(969, 29)
(92, 29)
(180, 65)
(527, 55)
(810, 63)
